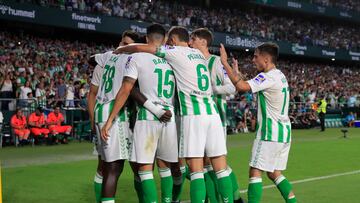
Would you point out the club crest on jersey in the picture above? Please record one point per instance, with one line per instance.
(259, 79)
(128, 62)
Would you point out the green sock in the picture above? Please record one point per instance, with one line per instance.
(98, 186)
(108, 200)
(211, 190)
(225, 186)
(138, 189)
(148, 186)
(197, 187)
(234, 182)
(255, 190)
(166, 185)
(285, 188)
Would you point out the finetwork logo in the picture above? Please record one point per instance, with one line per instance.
(7, 10)
(84, 18)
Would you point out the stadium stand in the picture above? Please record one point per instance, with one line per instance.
(258, 23)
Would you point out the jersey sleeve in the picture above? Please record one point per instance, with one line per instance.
(225, 85)
(167, 52)
(101, 59)
(131, 68)
(96, 77)
(260, 82)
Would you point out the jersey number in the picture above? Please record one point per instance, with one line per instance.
(286, 91)
(168, 81)
(203, 79)
(108, 78)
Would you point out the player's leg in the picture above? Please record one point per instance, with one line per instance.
(255, 185)
(98, 179)
(235, 185)
(166, 154)
(197, 182)
(191, 146)
(114, 152)
(210, 181)
(178, 171)
(166, 180)
(280, 181)
(283, 185)
(145, 140)
(137, 182)
(111, 173)
(216, 150)
(147, 182)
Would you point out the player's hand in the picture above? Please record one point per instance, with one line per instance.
(105, 131)
(235, 66)
(166, 116)
(223, 54)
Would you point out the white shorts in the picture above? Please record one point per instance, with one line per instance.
(118, 144)
(200, 135)
(269, 156)
(154, 139)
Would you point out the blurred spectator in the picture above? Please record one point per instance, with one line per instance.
(54, 121)
(349, 120)
(19, 125)
(6, 91)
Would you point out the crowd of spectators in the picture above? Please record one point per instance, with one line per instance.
(250, 22)
(49, 71)
(343, 4)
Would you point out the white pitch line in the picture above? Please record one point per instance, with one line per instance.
(304, 180)
(312, 179)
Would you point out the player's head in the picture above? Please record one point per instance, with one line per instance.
(201, 37)
(129, 37)
(265, 55)
(155, 33)
(176, 35)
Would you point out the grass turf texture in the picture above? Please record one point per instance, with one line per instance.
(65, 173)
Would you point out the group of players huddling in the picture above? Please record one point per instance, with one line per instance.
(180, 124)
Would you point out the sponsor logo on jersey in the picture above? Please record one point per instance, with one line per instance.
(128, 62)
(259, 79)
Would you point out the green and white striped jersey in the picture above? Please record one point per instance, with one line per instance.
(108, 76)
(221, 84)
(273, 123)
(192, 79)
(156, 81)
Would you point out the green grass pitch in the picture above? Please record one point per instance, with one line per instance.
(64, 173)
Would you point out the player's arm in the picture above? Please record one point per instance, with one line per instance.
(120, 99)
(91, 104)
(237, 80)
(134, 48)
(226, 87)
(161, 114)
